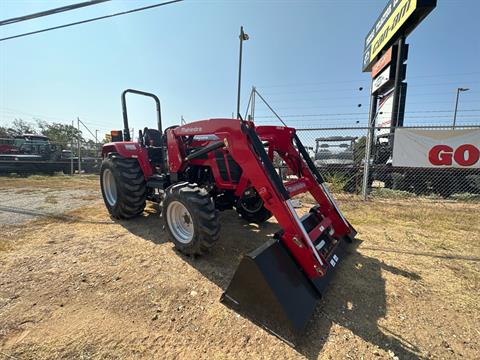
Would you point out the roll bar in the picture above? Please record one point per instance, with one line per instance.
(126, 129)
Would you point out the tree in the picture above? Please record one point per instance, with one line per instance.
(359, 148)
(4, 132)
(20, 127)
(60, 133)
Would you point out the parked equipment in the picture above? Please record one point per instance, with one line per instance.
(338, 157)
(199, 168)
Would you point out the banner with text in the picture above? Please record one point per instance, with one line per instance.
(437, 148)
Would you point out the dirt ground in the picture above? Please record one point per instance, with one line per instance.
(81, 285)
(22, 199)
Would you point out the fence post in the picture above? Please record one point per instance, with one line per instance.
(368, 145)
(79, 148)
(71, 152)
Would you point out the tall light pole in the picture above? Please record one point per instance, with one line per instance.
(459, 90)
(243, 36)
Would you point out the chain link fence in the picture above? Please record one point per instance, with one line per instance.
(340, 154)
(36, 154)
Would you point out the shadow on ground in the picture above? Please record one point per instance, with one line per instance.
(355, 300)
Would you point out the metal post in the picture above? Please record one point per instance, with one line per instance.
(459, 90)
(248, 106)
(368, 144)
(252, 109)
(71, 151)
(397, 87)
(96, 143)
(456, 108)
(79, 147)
(243, 37)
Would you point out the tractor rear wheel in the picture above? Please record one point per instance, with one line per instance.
(123, 187)
(190, 218)
(252, 209)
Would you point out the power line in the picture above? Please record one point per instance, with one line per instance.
(366, 113)
(357, 88)
(50, 12)
(364, 80)
(90, 20)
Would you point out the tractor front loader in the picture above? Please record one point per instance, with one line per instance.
(202, 167)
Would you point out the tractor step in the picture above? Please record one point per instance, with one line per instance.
(319, 232)
(158, 181)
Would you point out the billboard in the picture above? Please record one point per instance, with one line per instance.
(385, 60)
(383, 118)
(398, 18)
(437, 148)
(381, 81)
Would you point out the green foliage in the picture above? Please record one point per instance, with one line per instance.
(391, 194)
(59, 133)
(466, 197)
(359, 149)
(4, 132)
(336, 182)
(18, 127)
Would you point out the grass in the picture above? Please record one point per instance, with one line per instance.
(51, 199)
(391, 194)
(466, 197)
(4, 246)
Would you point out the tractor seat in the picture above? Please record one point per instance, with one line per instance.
(152, 137)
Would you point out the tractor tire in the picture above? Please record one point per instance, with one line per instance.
(123, 187)
(190, 218)
(253, 210)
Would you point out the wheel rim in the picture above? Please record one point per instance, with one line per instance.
(252, 204)
(180, 222)
(109, 187)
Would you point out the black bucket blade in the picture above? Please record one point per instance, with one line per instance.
(269, 289)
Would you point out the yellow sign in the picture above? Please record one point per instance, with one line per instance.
(392, 25)
(399, 17)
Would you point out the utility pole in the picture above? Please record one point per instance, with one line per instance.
(243, 37)
(79, 147)
(456, 105)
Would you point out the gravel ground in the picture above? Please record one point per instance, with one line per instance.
(23, 204)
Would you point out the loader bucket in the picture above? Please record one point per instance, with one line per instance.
(269, 289)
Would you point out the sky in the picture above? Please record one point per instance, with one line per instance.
(304, 57)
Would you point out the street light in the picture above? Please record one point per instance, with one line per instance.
(243, 37)
(456, 105)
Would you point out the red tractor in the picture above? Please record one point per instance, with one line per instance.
(202, 167)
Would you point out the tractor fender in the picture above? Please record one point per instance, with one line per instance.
(130, 150)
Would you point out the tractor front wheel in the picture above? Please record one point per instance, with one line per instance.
(123, 187)
(190, 218)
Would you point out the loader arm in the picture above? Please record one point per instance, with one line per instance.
(243, 141)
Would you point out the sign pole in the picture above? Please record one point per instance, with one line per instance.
(397, 114)
(369, 143)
